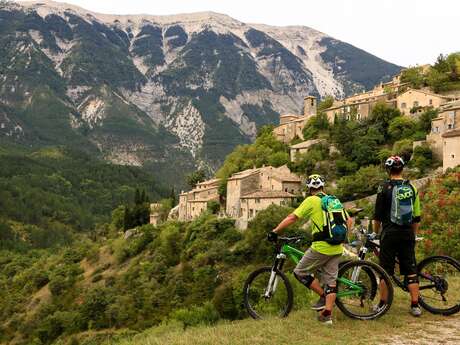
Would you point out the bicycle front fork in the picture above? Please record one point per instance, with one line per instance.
(273, 281)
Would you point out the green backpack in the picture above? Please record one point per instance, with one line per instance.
(335, 221)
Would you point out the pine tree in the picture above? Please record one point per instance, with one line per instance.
(137, 197)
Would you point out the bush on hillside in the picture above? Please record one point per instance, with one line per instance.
(361, 184)
(440, 202)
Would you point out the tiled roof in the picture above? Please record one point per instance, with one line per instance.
(268, 194)
(453, 133)
(243, 173)
(426, 93)
(306, 144)
(450, 106)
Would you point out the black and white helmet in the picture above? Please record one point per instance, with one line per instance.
(315, 181)
(394, 163)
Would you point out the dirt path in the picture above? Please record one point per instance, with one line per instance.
(445, 332)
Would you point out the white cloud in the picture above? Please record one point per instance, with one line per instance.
(405, 32)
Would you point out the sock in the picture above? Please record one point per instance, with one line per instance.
(382, 303)
(414, 304)
(326, 312)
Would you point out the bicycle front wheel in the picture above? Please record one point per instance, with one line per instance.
(361, 285)
(439, 278)
(268, 293)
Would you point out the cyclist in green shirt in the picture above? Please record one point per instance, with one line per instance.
(321, 256)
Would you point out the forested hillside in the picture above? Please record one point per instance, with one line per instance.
(48, 196)
(180, 273)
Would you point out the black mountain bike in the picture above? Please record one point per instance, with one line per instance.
(439, 276)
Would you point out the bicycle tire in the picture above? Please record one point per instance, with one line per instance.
(370, 273)
(423, 302)
(367, 266)
(250, 279)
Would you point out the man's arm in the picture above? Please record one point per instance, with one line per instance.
(291, 219)
(417, 212)
(379, 211)
(376, 226)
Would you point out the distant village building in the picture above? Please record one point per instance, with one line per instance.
(303, 147)
(155, 214)
(451, 152)
(413, 101)
(193, 203)
(444, 138)
(360, 105)
(252, 203)
(253, 190)
(291, 125)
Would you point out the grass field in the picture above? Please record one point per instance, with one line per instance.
(301, 327)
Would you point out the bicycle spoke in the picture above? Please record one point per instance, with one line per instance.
(440, 285)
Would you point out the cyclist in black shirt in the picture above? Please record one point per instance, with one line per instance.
(397, 216)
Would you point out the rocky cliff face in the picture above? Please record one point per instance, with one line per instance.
(155, 88)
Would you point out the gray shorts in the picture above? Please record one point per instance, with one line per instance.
(312, 261)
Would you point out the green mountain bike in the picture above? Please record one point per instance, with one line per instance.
(268, 291)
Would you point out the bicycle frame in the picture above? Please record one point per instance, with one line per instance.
(371, 245)
(287, 251)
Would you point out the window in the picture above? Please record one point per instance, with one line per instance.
(403, 105)
(431, 102)
(415, 104)
(292, 191)
(285, 189)
(258, 201)
(449, 126)
(453, 156)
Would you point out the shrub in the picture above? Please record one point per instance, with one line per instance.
(363, 183)
(196, 315)
(224, 302)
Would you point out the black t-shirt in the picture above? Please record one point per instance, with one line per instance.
(382, 212)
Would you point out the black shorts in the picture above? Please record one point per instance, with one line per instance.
(392, 247)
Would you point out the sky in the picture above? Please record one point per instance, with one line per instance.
(405, 32)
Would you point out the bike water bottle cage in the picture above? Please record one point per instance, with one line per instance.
(330, 289)
(410, 280)
(305, 280)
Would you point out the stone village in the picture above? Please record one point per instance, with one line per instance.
(250, 191)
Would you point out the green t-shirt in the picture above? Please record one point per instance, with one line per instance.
(311, 209)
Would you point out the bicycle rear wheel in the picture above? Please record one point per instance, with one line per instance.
(268, 294)
(439, 278)
(360, 288)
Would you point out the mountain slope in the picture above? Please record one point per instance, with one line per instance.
(146, 89)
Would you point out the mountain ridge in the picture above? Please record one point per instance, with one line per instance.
(147, 89)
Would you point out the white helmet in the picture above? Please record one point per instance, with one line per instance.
(315, 181)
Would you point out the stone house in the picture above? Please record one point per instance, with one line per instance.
(193, 203)
(451, 149)
(360, 105)
(303, 147)
(291, 125)
(413, 101)
(448, 119)
(253, 203)
(155, 214)
(255, 180)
